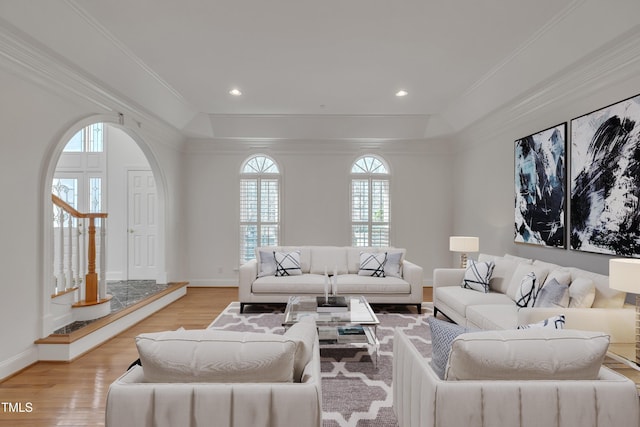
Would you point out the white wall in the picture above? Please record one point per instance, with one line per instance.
(484, 165)
(34, 119)
(123, 155)
(315, 200)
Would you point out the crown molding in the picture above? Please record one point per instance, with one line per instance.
(613, 63)
(113, 40)
(30, 60)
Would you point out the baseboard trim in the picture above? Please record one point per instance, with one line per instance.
(18, 362)
(68, 351)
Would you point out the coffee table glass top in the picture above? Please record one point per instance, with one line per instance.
(359, 312)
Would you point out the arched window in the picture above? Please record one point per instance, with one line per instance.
(259, 205)
(369, 202)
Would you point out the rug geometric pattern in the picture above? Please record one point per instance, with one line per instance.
(355, 393)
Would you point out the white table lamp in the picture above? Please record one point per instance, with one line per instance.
(624, 275)
(464, 244)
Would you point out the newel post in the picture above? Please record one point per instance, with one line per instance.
(91, 279)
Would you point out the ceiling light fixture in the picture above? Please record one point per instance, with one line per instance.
(402, 93)
(235, 92)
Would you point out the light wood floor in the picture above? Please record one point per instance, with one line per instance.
(74, 394)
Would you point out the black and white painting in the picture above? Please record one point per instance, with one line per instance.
(605, 180)
(540, 188)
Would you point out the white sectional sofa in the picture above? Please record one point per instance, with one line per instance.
(497, 309)
(401, 284)
(546, 396)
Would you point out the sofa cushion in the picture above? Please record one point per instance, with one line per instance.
(553, 294)
(305, 334)
(461, 299)
(605, 296)
(477, 275)
(353, 284)
(287, 263)
(209, 355)
(291, 285)
(502, 272)
(529, 354)
(372, 264)
(521, 271)
(493, 316)
(442, 335)
(328, 259)
(582, 292)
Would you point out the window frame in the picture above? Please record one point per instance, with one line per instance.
(375, 171)
(260, 175)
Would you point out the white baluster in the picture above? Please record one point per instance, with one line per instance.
(70, 258)
(62, 281)
(102, 284)
(76, 279)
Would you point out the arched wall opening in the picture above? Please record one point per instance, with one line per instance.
(45, 257)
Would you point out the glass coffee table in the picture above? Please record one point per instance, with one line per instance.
(355, 325)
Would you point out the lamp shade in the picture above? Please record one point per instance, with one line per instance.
(624, 275)
(464, 244)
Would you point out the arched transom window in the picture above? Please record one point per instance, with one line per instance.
(369, 202)
(259, 205)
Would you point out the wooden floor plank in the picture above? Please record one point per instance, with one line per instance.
(74, 393)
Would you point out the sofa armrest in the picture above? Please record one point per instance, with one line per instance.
(421, 399)
(247, 275)
(413, 274)
(617, 322)
(447, 277)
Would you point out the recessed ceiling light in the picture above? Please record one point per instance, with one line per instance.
(235, 92)
(401, 93)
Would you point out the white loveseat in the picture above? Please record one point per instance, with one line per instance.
(402, 283)
(221, 379)
(497, 308)
(596, 396)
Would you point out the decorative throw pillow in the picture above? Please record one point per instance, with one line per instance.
(287, 263)
(582, 292)
(478, 275)
(527, 292)
(393, 266)
(442, 335)
(267, 265)
(553, 294)
(555, 322)
(372, 264)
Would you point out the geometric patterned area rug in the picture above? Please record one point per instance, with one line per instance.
(355, 393)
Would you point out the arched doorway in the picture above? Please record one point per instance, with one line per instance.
(125, 155)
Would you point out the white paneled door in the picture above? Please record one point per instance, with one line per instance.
(142, 225)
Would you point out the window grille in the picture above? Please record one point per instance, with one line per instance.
(370, 202)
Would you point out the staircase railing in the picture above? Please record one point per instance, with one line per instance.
(70, 243)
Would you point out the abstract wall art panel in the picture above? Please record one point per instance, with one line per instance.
(605, 180)
(540, 187)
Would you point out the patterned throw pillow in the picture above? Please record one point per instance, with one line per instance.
(556, 322)
(553, 294)
(267, 264)
(478, 275)
(287, 263)
(528, 291)
(393, 266)
(442, 335)
(372, 264)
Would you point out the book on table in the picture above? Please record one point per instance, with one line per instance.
(353, 333)
(331, 304)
